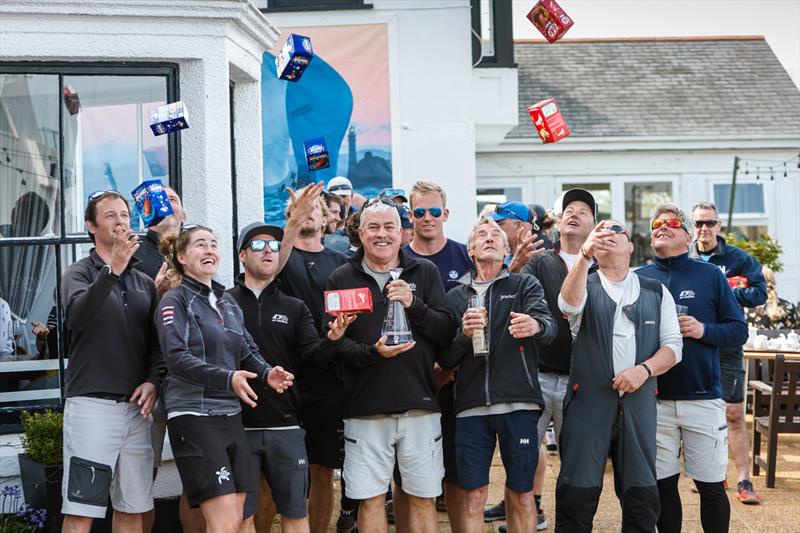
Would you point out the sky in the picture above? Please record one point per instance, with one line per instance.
(777, 20)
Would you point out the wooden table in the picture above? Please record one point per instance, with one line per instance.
(770, 354)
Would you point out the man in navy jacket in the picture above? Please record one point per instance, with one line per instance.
(691, 412)
(734, 262)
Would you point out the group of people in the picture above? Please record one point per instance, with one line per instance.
(264, 395)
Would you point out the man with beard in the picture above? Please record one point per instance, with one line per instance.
(391, 410)
(305, 276)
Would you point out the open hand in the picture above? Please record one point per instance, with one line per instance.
(523, 325)
(338, 326)
(392, 351)
(598, 240)
(526, 250)
(125, 245)
(279, 379)
(303, 203)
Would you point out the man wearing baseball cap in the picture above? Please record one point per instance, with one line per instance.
(398, 196)
(284, 331)
(518, 223)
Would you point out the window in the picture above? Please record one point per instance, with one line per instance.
(492, 34)
(601, 193)
(749, 198)
(65, 131)
(641, 200)
(496, 196)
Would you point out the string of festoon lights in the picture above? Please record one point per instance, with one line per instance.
(765, 167)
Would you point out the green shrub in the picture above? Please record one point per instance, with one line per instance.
(766, 250)
(43, 438)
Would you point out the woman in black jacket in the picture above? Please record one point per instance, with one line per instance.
(209, 357)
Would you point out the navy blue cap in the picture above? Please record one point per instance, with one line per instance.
(405, 216)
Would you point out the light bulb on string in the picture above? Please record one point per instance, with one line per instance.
(784, 169)
(758, 177)
(771, 174)
(746, 168)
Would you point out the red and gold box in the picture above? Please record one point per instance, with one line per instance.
(348, 301)
(548, 121)
(738, 282)
(550, 19)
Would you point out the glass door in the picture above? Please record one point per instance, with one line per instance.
(641, 199)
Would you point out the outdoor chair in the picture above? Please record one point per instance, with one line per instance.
(783, 415)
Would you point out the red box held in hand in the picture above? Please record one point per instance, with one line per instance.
(549, 123)
(738, 282)
(550, 19)
(348, 301)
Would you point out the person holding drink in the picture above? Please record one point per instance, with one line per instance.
(497, 388)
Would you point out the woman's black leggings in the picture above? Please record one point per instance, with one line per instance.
(715, 509)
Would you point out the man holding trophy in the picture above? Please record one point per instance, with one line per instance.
(391, 408)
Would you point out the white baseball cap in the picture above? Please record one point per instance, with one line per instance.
(340, 186)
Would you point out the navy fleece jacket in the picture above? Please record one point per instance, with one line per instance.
(733, 261)
(704, 290)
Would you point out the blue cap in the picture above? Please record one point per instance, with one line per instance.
(512, 210)
(393, 193)
(405, 218)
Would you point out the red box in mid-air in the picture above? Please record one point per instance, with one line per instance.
(548, 121)
(550, 19)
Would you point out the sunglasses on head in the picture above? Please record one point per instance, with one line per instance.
(340, 188)
(509, 214)
(706, 223)
(673, 223)
(190, 227)
(96, 195)
(259, 245)
(391, 193)
(435, 212)
(373, 201)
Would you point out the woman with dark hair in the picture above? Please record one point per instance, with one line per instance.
(209, 357)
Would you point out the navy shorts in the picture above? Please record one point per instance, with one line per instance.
(447, 404)
(280, 455)
(475, 442)
(321, 410)
(731, 376)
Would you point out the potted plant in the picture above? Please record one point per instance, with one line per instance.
(40, 466)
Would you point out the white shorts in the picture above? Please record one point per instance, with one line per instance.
(106, 452)
(700, 428)
(371, 445)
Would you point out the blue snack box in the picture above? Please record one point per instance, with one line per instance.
(152, 202)
(294, 57)
(317, 154)
(169, 118)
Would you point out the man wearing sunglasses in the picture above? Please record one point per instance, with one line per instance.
(429, 209)
(691, 411)
(284, 331)
(625, 332)
(709, 246)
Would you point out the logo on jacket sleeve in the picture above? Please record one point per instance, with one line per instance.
(685, 295)
(283, 319)
(168, 314)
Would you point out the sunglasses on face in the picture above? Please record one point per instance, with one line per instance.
(673, 223)
(435, 212)
(259, 245)
(706, 223)
(616, 228)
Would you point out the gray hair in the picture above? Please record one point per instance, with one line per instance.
(706, 205)
(378, 208)
(484, 221)
(675, 210)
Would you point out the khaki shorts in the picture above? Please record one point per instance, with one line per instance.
(700, 429)
(107, 452)
(371, 445)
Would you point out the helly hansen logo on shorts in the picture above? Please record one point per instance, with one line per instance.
(524, 441)
(168, 314)
(283, 319)
(685, 295)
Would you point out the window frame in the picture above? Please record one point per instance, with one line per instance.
(749, 218)
(9, 415)
(502, 34)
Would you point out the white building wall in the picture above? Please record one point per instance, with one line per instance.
(430, 76)
(212, 42)
(691, 165)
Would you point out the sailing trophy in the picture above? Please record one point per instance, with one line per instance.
(395, 323)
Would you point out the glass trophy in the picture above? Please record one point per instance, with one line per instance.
(395, 323)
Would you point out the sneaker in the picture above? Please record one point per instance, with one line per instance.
(541, 521)
(503, 529)
(440, 505)
(747, 493)
(346, 522)
(495, 512)
(552, 446)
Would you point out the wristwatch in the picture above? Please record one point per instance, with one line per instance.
(646, 367)
(108, 268)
